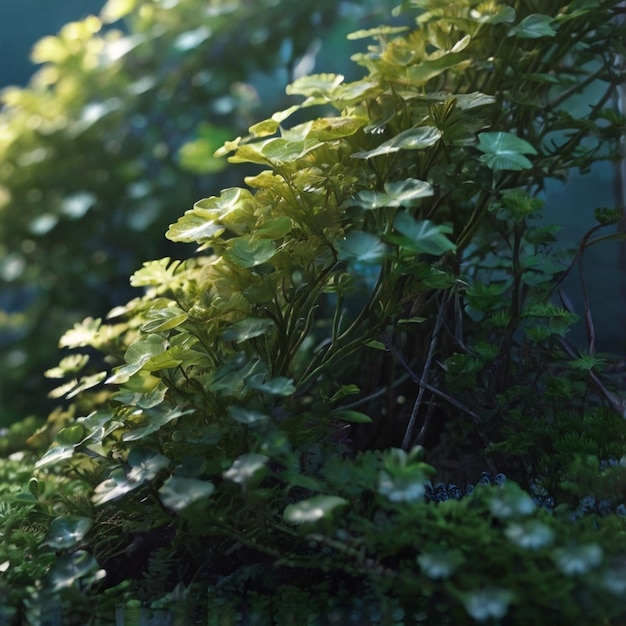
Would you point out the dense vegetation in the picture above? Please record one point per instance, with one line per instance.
(357, 400)
(114, 137)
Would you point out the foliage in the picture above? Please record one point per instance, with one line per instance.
(114, 134)
(369, 325)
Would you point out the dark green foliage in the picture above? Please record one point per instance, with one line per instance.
(359, 395)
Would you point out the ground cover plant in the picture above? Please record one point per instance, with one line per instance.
(358, 400)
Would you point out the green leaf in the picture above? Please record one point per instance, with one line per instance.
(162, 319)
(282, 150)
(331, 128)
(65, 532)
(54, 455)
(246, 252)
(177, 492)
(362, 247)
(377, 32)
(71, 435)
(533, 27)
(137, 355)
(70, 568)
(247, 468)
(421, 236)
(248, 329)
(153, 421)
(407, 192)
(279, 386)
(413, 139)
(313, 509)
(397, 193)
(155, 273)
(247, 416)
(275, 228)
(503, 151)
(315, 85)
(353, 417)
(193, 227)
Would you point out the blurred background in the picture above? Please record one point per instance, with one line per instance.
(110, 115)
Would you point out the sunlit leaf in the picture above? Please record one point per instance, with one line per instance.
(247, 416)
(162, 319)
(247, 252)
(192, 227)
(313, 509)
(153, 421)
(421, 235)
(71, 435)
(247, 468)
(67, 531)
(279, 386)
(315, 85)
(362, 247)
(377, 32)
(534, 26)
(274, 228)
(247, 329)
(69, 568)
(412, 139)
(504, 151)
(178, 492)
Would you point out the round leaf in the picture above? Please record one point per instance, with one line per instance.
(177, 493)
(313, 509)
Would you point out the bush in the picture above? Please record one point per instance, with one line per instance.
(112, 137)
(359, 396)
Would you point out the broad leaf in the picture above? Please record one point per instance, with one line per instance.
(279, 386)
(353, 417)
(153, 421)
(247, 416)
(533, 27)
(421, 236)
(247, 252)
(193, 227)
(247, 468)
(412, 139)
(69, 568)
(67, 531)
(247, 329)
(362, 247)
(313, 509)
(315, 85)
(504, 151)
(177, 492)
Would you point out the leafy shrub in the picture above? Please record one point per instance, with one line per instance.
(367, 339)
(113, 136)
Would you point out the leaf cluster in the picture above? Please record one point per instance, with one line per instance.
(374, 310)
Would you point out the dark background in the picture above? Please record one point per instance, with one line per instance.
(23, 22)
